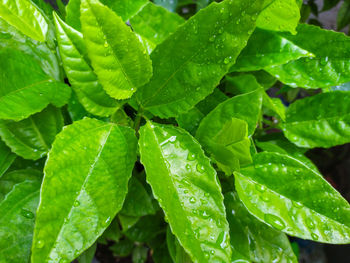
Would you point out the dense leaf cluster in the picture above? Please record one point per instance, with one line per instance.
(180, 138)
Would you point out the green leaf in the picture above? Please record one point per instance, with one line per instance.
(126, 9)
(18, 203)
(146, 228)
(127, 222)
(26, 17)
(235, 107)
(287, 195)
(150, 23)
(322, 120)
(139, 254)
(31, 138)
(137, 202)
(187, 189)
(265, 49)
(329, 4)
(190, 63)
(6, 157)
(176, 251)
(88, 254)
(85, 184)
(280, 15)
(81, 76)
(190, 120)
(254, 239)
(343, 18)
(329, 67)
(168, 4)
(122, 248)
(10, 37)
(25, 88)
(109, 42)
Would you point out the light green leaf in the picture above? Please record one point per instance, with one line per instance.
(253, 239)
(329, 67)
(280, 15)
(322, 120)
(265, 49)
(137, 202)
(6, 157)
(31, 138)
(176, 251)
(10, 37)
(26, 17)
(117, 56)
(25, 89)
(81, 76)
(126, 9)
(190, 120)
(150, 23)
(187, 189)
(85, 184)
(18, 203)
(235, 107)
(190, 63)
(287, 195)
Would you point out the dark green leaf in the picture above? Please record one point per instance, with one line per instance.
(186, 186)
(176, 251)
(19, 197)
(322, 120)
(85, 184)
(81, 76)
(25, 88)
(26, 17)
(189, 64)
(139, 254)
(343, 18)
(31, 138)
(109, 42)
(255, 240)
(287, 195)
(88, 254)
(168, 4)
(6, 157)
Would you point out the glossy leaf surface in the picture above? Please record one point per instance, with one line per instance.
(26, 17)
(85, 184)
(255, 240)
(18, 203)
(276, 50)
(25, 88)
(235, 107)
(81, 76)
(280, 15)
(189, 64)
(187, 189)
(109, 42)
(31, 138)
(287, 195)
(322, 120)
(155, 23)
(6, 157)
(329, 67)
(177, 253)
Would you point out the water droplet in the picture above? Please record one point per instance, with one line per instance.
(76, 203)
(200, 168)
(222, 10)
(191, 156)
(212, 38)
(172, 139)
(336, 209)
(205, 214)
(297, 204)
(188, 167)
(243, 13)
(212, 252)
(40, 244)
(192, 200)
(310, 223)
(324, 61)
(314, 236)
(260, 188)
(274, 221)
(27, 214)
(227, 60)
(35, 150)
(105, 44)
(63, 260)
